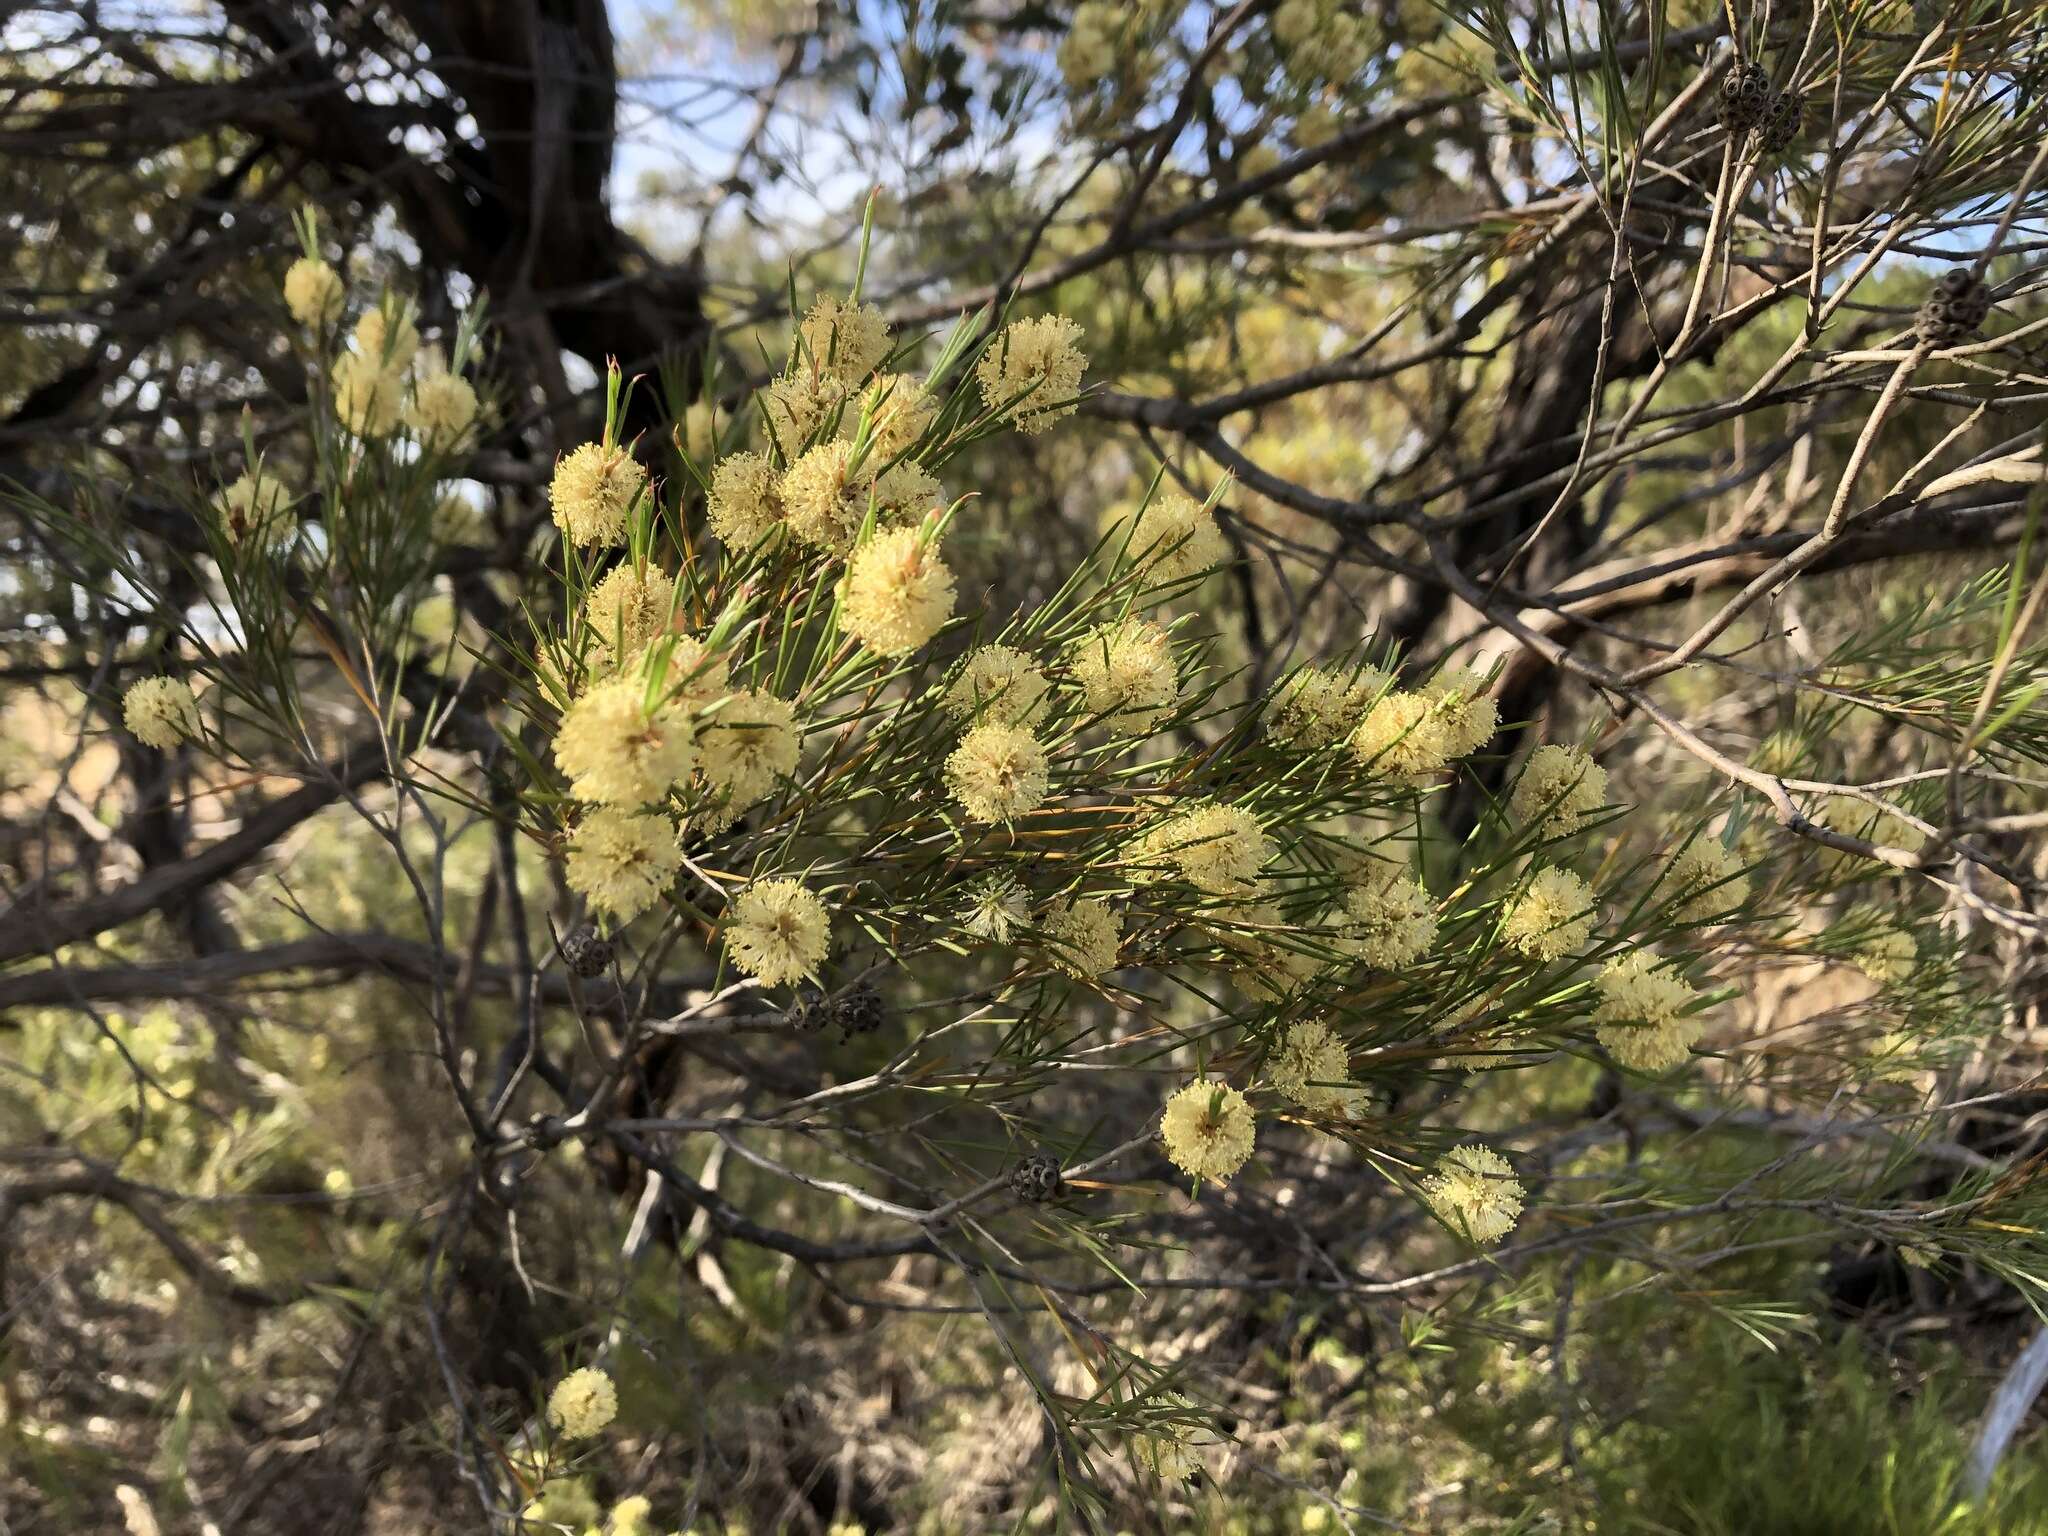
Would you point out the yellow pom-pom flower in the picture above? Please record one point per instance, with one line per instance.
(1312, 1066)
(387, 339)
(1392, 921)
(441, 412)
(1208, 1130)
(1705, 881)
(1169, 1447)
(748, 744)
(996, 910)
(1877, 824)
(627, 610)
(823, 500)
(583, 1403)
(1000, 684)
(1126, 673)
(844, 340)
(778, 931)
(593, 492)
(1559, 789)
(1464, 709)
(1083, 937)
(617, 751)
(906, 493)
(1887, 952)
(160, 712)
(1035, 368)
(1475, 1192)
(1317, 708)
(898, 410)
(367, 396)
(1552, 917)
(1402, 738)
(998, 772)
(897, 593)
(621, 862)
(313, 293)
(794, 405)
(1639, 1017)
(1173, 536)
(254, 510)
(745, 505)
(1219, 849)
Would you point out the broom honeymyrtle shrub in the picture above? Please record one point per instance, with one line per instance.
(1111, 940)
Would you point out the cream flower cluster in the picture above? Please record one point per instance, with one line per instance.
(1560, 788)
(1886, 952)
(897, 593)
(627, 609)
(594, 489)
(1173, 537)
(1000, 684)
(998, 772)
(1474, 1191)
(1392, 921)
(1312, 1066)
(1219, 849)
(779, 931)
(1320, 707)
(1035, 368)
(1705, 881)
(254, 509)
(583, 1403)
(1083, 937)
(1640, 1019)
(314, 294)
(1126, 673)
(1208, 1130)
(621, 861)
(160, 712)
(1552, 917)
(616, 749)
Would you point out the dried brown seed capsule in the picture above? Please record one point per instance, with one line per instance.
(587, 952)
(1782, 123)
(860, 1010)
(1035, 1178)
(1956, 310)
(1745, 98)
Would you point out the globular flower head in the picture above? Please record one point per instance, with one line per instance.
(592, 493)
(897, 593)
(1263, 963)
(1312, 1066)
(583, 1403)
(622, 862)
(749, 744)
(1169, 1447)
(1173, 536)
(906, 492)
(627, 609)
(1219, 849)
(1705, 881)
(1402, 738)
(1640, 1015)
(997, 910)
(386, 338)
(1000, 684)
(778, 931)
(1392, 921)
(1208, 1130)
(313, 293)
(1318, 707)
(824, 499)
(367, 396)
(745, 505)
(696, 675)
(998, 772)
(1475, 1191)
(254, 509)
(1083, 937)
(1559, 789)
(1464, 708)
(795, 404)
(898, 409)
(1126, 673)
(618, 751)
(160, 712)
(1035, 366)
(442, 411)
(845, 340)
(1552, 917)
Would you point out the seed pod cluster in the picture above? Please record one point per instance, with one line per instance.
(1035, 1179)
(860, 1010)
(1782, 122)
(587, 952)
(1745, 99)
(1955, 309)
